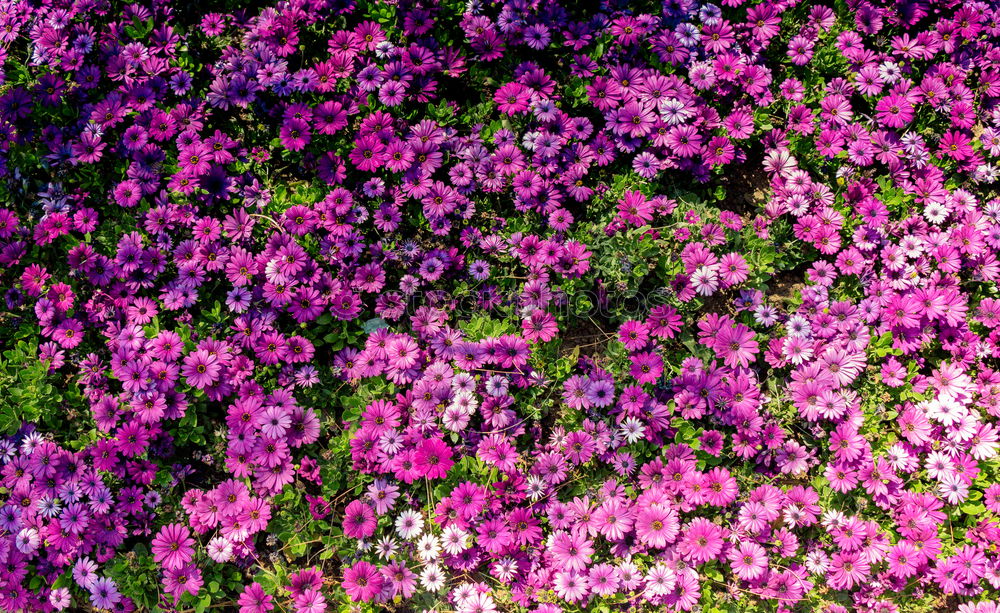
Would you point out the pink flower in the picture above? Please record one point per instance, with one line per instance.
(748, 560)
(847, 569)
(359, 520)
(173, 546)
(362, 582)
(736, 345)
(571, 551)
(201, 368)
(433, 458)
(657, 526)
(255, 600)
(513, 98)
(571, 586)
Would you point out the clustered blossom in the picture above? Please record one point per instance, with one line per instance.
(325, 257)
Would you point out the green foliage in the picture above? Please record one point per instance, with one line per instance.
(31, 393)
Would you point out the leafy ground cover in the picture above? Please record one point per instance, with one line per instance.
(335, 305)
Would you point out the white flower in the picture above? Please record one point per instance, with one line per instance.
(632, 429)
(463, 383)
(935, 212)
(660, 579)
(409, 524)
(220, 549)
(27, 540)
(953, 488)
(938, 465)
(386, 547)
(505, 568)
(944, 410)
(798, 326)
(428, 548)
(536, 487)
(477, 603)
(889, 72)
(705, 281)
(964, 428)
(833, 518)
(817, 562)
(432, 578)
(464, 402)
(30, 442)
(463, 592)
(455, 540)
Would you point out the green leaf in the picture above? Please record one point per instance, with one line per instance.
(203, 603)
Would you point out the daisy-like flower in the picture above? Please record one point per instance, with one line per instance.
(571, 585)
(603, 579)
(220, 549)
(362, 582)
(454, 539)
(536, 487)
(657, 526)
(748, 560)
(705, 281)
(702, 540)
(428, 547)
(477, 602)
(173, 546)
(383, 495)
(660, 580)
(359, 520)
(60, 598)
(201, 368)
(386, 547)
(104, 593)
(432, 578)
(571, 550)
(409, 524)
(85, 572)
(953, 488)
(27, 540)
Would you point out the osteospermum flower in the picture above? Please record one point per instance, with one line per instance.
(201, 368)
(186, 578)
(104, 593)
(657, 526)
(60, 598)
(254, 599)
(432, 578)
(359, 520)
(220, 549)
(433, 459)
(571, 586)
(702, 540)
(362, 581)
(409, 524)
(660, 580)
(173, 546)
(748, 560)
(27, 540)
(572, 551)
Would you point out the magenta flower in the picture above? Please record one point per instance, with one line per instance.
(362, 581)
(748, 560)
(657, 526)
(173, 546)
(253, 599)
(359, 520)
(201, 368)
(433, 458)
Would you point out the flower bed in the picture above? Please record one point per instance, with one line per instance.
(432, 305)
